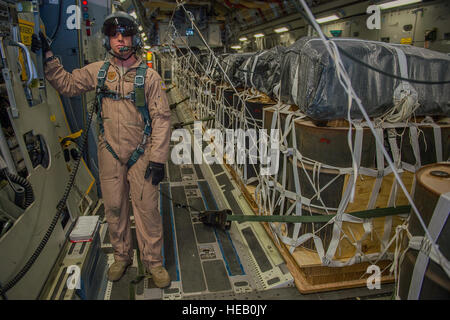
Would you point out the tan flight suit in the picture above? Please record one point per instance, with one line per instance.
(123, 129)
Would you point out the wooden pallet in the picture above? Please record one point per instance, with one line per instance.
(305, 265)
(310, 276)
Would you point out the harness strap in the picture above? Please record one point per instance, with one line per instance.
(139, 95)
(101, 77)
(110, 149)
(138, 98)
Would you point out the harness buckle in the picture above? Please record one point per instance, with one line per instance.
(132, 96)
(139, 80)
(101, 74)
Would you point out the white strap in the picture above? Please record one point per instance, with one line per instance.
(295, 84)
(357, 159)
(415, 145)
(437, 141)
(276, 122)
(245, 70)
(253, 68)
(396, 158)
(403, 65)
(350, 189)
(298, 189)
(437, 137)
(427, 251)
(380, 174)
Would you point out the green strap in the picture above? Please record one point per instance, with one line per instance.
(367, 214)
(101, 77)
(139, 101)
(139, 82)
(139, 94)
(110, 149)
(135, 156)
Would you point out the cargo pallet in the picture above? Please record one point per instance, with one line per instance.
(310, 276)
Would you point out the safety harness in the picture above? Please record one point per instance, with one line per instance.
(137, 96)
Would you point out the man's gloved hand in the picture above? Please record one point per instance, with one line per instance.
(158, 172)
(39, 43)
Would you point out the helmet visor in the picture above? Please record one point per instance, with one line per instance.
(126, 30)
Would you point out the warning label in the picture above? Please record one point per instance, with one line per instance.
(26, 31)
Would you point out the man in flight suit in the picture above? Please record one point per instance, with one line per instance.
(122, 134)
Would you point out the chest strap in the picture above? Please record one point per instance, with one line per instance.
(138, 98)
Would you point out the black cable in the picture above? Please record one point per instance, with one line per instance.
(24, 183)
(11, 184)
(52, 38)
(60, 207)
(3, 293)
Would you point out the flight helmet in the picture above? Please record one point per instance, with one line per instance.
(124, 23)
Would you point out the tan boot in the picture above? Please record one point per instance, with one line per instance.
(117, 270)
(160, 276)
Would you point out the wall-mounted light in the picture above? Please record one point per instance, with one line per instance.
(328, 19)
(259, 35)
(237, 47)
(282, 29)
(397, 3)
(243, 39)
(85, 9)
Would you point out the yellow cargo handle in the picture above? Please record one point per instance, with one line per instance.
(66, 141)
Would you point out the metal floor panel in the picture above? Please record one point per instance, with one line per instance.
(189, 259)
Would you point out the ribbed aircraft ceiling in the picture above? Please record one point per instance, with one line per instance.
(246, 13)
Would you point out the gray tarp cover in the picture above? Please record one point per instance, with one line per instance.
(230, 64)
(309, 80)
(262, 70)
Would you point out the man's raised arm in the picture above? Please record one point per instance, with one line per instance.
(66, 83)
